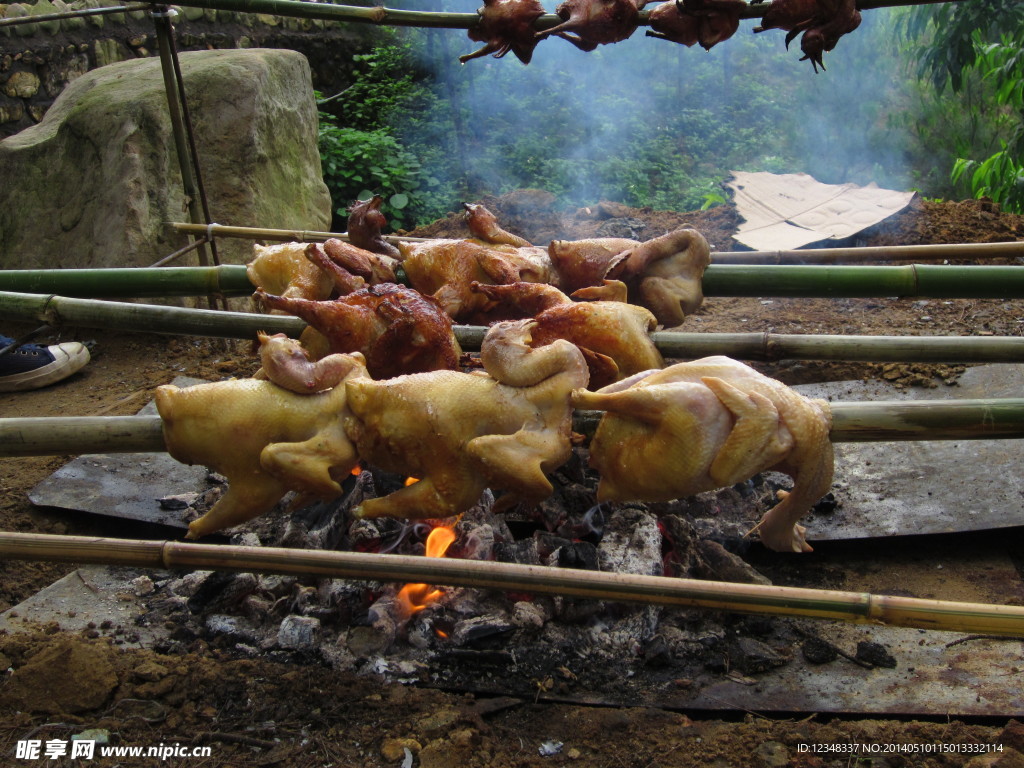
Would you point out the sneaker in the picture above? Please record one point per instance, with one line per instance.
(32, 366)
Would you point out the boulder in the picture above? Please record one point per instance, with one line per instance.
(94, 183)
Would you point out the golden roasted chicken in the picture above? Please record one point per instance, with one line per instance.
(709, 424)
(461, 433)
(265, 439)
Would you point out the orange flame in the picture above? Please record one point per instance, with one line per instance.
(415, 597)
(410, 480)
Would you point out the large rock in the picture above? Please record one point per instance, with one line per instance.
(94, 183)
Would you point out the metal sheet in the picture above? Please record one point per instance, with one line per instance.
(125, 485)
(911, 488)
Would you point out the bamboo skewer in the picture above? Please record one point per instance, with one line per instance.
(61, 310)
(937, 252)
(763, 280)
(857, 607)
(877, 421)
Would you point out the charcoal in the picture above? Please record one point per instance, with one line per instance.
(874, 654)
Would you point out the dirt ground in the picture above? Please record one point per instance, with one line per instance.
(297, 713)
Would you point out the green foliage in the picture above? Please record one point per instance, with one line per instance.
(1000, 176)
(943, 35)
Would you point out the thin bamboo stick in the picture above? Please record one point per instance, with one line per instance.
(942, 251)
(763, 280)
(936, 252)
(61, 310)
(81, 12)
(857, 607)
(877, 421)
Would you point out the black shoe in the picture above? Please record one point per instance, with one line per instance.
(32, 366)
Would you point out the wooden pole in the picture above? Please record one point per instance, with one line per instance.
(856, 607)
(877, 421)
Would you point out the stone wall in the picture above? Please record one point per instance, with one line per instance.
(37, 60)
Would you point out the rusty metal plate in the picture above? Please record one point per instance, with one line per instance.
(125, 485)
(911, 488)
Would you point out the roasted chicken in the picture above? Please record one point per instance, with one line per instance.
(506, 25)
(666, 273)
(461, 433)
(709, 424)
(350, 268)
(823, 22)
(397, 329)
(366, 224)
(284, 270)
(264, 439)
(613, 336)
(707, 22)
(287, 363)
(590, 23)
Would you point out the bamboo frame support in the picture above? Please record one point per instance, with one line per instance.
(81, 12)
(62, 310)
(877, 421)
(400, 18)
(762, 280)
(856, 607)
(938, 252)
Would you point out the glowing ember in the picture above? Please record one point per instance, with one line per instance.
(416, 597)
(411, 480)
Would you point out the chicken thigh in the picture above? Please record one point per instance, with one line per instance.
(709, 424)
(366, 224)
(463, 432)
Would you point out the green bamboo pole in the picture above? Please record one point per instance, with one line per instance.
(916, 253)
(399, 18)
(878, 421)
(942, 251)
(61, 310)
(856, 607)
(763, 280)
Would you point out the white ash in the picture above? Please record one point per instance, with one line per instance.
(631, 543)
(299, 633)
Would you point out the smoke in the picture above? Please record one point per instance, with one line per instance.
(650, 122)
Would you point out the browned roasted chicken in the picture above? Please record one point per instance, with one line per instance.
(350, 268)
(398, 329)
(506, 25)
(613, 335)
(264, 439)
(461, 432)
(707, 22)
(590, 23)
(823, 22)
(709, 424)
(366, 224)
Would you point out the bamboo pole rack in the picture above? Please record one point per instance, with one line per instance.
(938, 281)
(852, 422)
(764, 347)
(856, 607)
(937, 252)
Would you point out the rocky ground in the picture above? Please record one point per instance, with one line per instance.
(295, 712)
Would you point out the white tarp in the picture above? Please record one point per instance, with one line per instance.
(786, 211)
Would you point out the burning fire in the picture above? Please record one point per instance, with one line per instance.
(415, 597)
